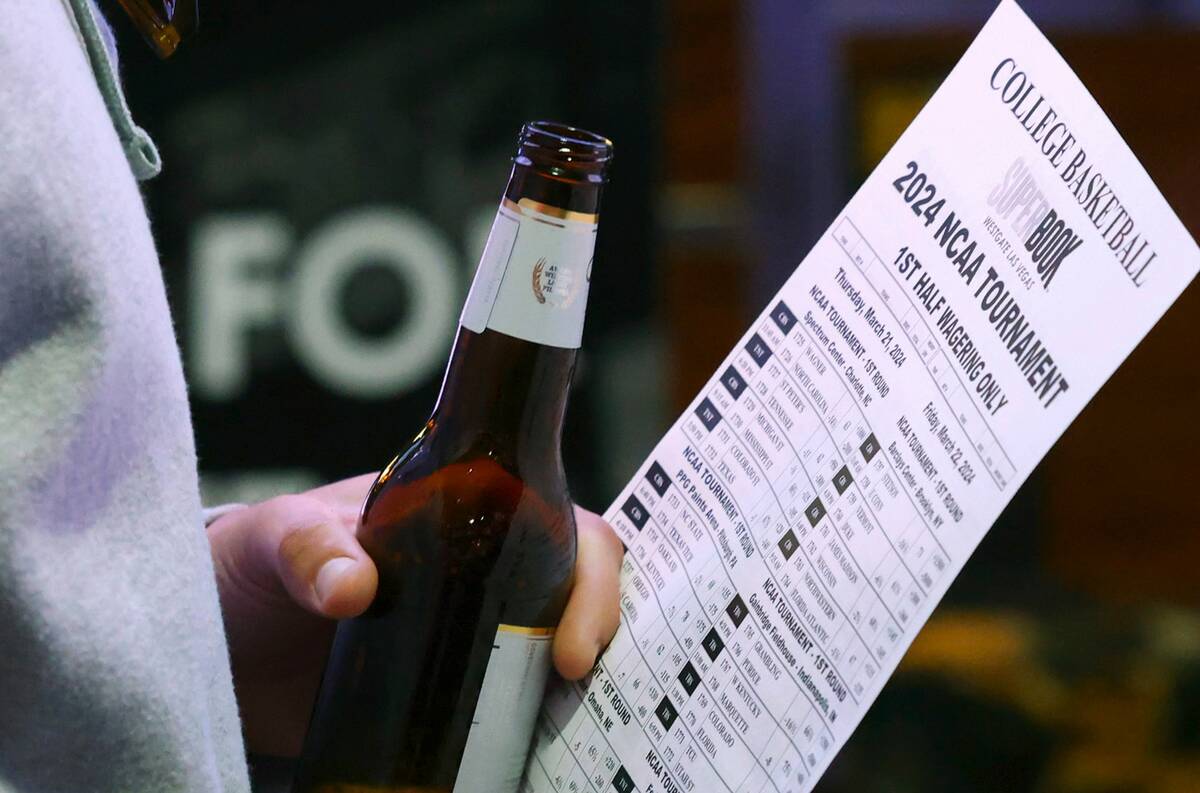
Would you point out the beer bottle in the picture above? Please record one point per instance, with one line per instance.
(437, 686)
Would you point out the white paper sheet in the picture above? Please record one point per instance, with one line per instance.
(795, 528)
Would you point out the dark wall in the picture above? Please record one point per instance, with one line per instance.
(330, 174)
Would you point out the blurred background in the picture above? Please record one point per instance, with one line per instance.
(331, 167)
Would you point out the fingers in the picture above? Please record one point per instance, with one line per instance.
(302, 548)
(345, 494)
(309, 544)
(593, 611)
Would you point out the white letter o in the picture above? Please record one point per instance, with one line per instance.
(333, 351)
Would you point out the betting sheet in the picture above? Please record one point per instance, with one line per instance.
(794, 529)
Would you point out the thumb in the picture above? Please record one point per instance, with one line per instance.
(307, 549)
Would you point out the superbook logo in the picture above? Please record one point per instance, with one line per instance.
(1048, 240)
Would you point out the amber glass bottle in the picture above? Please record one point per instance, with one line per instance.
(436, 687)
(162, 23)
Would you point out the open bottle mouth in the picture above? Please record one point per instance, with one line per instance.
(563, 150)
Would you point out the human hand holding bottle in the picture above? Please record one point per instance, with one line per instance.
(288, 568)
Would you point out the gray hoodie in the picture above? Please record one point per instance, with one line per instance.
(114, 672)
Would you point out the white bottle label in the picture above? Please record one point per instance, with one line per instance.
(502, 729)
(533, 277)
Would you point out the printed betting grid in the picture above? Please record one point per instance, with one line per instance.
(783, 438)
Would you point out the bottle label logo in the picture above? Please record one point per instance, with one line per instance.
(557, 286)
(534, 274)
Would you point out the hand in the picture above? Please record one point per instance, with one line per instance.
(289, 567)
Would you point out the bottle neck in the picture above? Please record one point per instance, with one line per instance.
(506, 391)
(510, 372)
(533, 277)
(575, 193)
